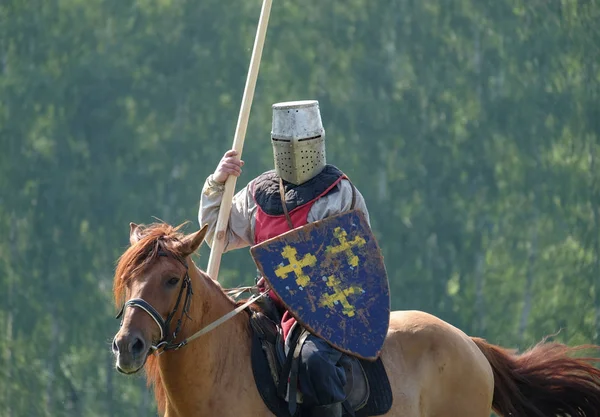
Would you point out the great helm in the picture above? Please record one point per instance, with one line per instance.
(298, 140)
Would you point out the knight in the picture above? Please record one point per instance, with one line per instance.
(301, 189)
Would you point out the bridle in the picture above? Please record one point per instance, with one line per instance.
(168, 343)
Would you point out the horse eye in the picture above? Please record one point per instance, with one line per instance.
(173, 281)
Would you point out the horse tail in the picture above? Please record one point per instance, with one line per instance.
(547, 380)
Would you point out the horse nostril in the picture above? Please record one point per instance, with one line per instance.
(138, 346)
(115, 347)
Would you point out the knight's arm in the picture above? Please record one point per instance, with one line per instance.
(239, 228)
(338, 202)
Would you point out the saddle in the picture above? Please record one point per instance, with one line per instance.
(368, 391)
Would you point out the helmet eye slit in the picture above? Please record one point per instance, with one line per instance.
(312, 138)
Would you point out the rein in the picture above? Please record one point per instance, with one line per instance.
(165, 343)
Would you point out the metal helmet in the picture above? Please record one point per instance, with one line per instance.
(298, 140)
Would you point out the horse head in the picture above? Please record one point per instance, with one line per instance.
(152, 275)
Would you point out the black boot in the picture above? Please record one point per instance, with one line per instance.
(331, 410)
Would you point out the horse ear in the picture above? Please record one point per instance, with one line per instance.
(134, 233)
(192, 242)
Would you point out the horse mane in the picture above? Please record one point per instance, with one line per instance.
(137, 258)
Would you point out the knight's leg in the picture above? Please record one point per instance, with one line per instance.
(322, 378)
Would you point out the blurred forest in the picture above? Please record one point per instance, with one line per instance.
(472, 127)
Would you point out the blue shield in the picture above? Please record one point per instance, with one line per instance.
(331, 277)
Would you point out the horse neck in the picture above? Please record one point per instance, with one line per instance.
(199, 376)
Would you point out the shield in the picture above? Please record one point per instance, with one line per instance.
(331, 277)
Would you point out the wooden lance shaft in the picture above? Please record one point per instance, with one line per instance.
(218, 245)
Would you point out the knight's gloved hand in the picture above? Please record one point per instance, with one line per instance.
(230, 164)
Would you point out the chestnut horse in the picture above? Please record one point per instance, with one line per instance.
(434, 368)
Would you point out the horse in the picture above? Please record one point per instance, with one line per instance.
(433, 367)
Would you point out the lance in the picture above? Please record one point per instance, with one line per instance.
(218, 245)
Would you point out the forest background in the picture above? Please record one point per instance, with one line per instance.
(471, 127)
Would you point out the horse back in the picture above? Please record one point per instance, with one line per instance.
(435, 369)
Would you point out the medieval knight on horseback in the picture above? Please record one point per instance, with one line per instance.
(300, 190)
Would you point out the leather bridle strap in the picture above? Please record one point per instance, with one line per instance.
(138, 302)
(187, 285)
(221, 320)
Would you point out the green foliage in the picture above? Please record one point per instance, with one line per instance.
(471, 127)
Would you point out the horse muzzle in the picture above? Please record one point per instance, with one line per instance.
(131, 352)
